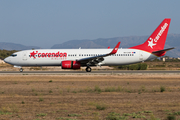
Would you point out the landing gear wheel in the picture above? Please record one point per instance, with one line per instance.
(88, 69)
(21, 70)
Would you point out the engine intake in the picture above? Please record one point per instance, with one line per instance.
(70, 65)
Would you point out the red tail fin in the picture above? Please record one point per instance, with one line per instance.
(157, 39)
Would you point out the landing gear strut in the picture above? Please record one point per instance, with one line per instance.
(21, 70)
(88, 69)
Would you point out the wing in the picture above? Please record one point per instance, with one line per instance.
(96, 59)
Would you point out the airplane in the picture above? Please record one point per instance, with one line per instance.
(152, 48)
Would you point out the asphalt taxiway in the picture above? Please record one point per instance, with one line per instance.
(95, 72)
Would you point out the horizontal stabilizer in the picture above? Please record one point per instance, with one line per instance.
(160, 51)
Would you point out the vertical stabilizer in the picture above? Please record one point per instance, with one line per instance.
(157, 39)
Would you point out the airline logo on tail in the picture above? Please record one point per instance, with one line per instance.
(151, 44)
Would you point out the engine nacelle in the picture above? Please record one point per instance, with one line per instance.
(70, 65)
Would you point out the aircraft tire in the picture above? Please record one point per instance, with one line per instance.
(21, 70)
(88, 69)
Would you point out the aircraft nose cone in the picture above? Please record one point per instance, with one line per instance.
(6, 60)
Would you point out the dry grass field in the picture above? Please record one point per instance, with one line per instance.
(89, 97)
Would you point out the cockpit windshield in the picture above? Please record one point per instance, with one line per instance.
(14, 55)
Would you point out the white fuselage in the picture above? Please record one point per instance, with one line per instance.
(54, 57)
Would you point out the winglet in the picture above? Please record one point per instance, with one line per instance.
(115, 49)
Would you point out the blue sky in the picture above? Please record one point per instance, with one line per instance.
(47, 22)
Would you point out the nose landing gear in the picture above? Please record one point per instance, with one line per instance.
(20, 68)
(88, 69)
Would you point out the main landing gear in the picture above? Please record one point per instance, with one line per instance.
(21, 70)
(88, 69)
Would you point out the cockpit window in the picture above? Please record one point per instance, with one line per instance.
(14, 55)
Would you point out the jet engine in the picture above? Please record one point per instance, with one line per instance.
(70, 65)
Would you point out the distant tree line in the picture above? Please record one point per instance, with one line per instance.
(167, 60)
(139, 66)
(173, 60)
(6, 53)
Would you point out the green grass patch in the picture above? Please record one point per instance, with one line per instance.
(33, 90)
(97, 89)
(120, 89)
(101, 106)
(152, 117)
(143, 88)
(5, 113)
(50, 91)
(74, 115)
(162, 89)
(23, 102)
(177, 113)
(116, 116)
(68, 90)
(61, 91)
(110, 89)
(88, 89)
(171, 117)
(50, 81)
(64, 118)
(147, 111)
(41, 99)
(125, 116)
(74, 91)
(41, 114)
